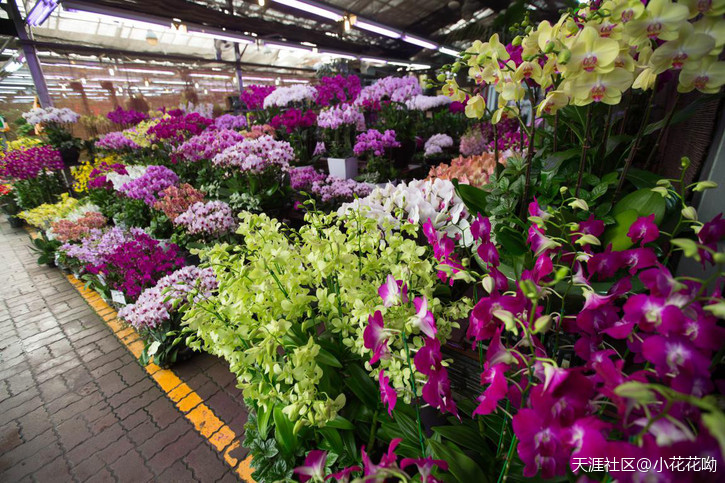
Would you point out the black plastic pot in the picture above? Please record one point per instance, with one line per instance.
(15, 222)
(70, 156)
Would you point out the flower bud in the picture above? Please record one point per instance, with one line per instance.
(563, 56)
(441, 77)
(685, 162)
(542, 324)
(516, 41)
(549, 47)
(689, 213)
(456, 67)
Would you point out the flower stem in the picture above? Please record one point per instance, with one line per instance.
(635, 145)
(507, 464)
(373, 431)
(556, 131)
(661, 134)
(415, 394)
(529, 159)
(602, 151)
(585, 148)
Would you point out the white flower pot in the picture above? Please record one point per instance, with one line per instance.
(344, 168)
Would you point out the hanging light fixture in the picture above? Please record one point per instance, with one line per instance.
(151, 37)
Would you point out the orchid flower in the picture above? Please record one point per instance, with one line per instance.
(393, 292)
(425, 467)
(314, 467)
(423, 318)
(374, 337)
(388, 395)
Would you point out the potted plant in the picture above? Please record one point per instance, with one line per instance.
(377, 148)
(339, 125)
(57, 125)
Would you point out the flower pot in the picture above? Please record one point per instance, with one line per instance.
(344, 168)
(15, 222)
(70, 156)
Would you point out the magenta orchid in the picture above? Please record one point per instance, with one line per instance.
(388, 395)
(393, 292)
(644, 230)
(314, 467)
(374, 337)
(425, 467)
(423, 318)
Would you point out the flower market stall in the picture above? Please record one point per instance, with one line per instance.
(423, 279)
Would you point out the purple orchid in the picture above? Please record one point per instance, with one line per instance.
(314, 467)
(644, 230)
(425, 467)
(495, 376)
(711, 232)
(424, 318)
(374, 337)
(437, 392)
(481, 229)
(393, 292)
(388, 395)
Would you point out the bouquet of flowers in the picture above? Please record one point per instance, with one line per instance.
(67, 230)
(174, 130)
(393, 89)
(175, 200)
(473, 170)
(207, 145)
(208, 221)
(293, 120)
(256, 155)
(436, 144)
(147, 187)
(427, 103)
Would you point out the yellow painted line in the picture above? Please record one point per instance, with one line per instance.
(206, 423)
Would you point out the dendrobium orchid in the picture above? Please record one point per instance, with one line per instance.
(393, 292)
(375, 338)
(388, 395)
(423, 318)
(314, 467)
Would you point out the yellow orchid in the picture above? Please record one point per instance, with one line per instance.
(504, 111)
(591, 53)
(527, 70)
(662, 21)
(606, 29)
(623, 10)
(625, 60)
(452, 90)
(475, 107)
(546, 77)
(554, 101)
(715, 28)
(688, 47)
(711, 8)
(706, 76)
(595, 87)
(550, 35)
(645, 79)
(487, 74)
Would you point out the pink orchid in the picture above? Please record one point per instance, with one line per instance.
(481, 229)
(374, 337)
(343, 476)
(423, 317)
(388, 395)
(314, 467)
(711, 232)
(425, 467)
(389, 460)
(644, 230)
(437, 392)
(429, 359)
(393, 292)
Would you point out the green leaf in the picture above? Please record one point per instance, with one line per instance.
(614, 141)
(362, 386)
(460, 466)
(263, 420)
(283, 432)
(715, 424)
(642, 179)
(463, 435)
(617, 234)
(599, 190)
(474, 198)
(340, 423)
(644, 202)
(512, 240)
(324, 357)
(689, 247)
(555, 160)
(679, 116)
(332, 436)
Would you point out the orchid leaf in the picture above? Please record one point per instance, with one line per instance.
(460, 466)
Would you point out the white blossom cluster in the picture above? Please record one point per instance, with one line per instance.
(427, 103)
(256, 155)
(49, 115)
(416, 202)
(118, 180)
(284, 96)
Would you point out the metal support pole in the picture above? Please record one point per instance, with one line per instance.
(31, 55)
(237, 55)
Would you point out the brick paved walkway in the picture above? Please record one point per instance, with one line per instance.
(75, 405)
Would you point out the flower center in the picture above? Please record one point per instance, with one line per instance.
(605, 30)
(701, 82)
(597, 92)
(528, 69)
(627, 15)
(678, 60)
(654, 29)
(704, 5)
(589, 62)
(676, 356)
